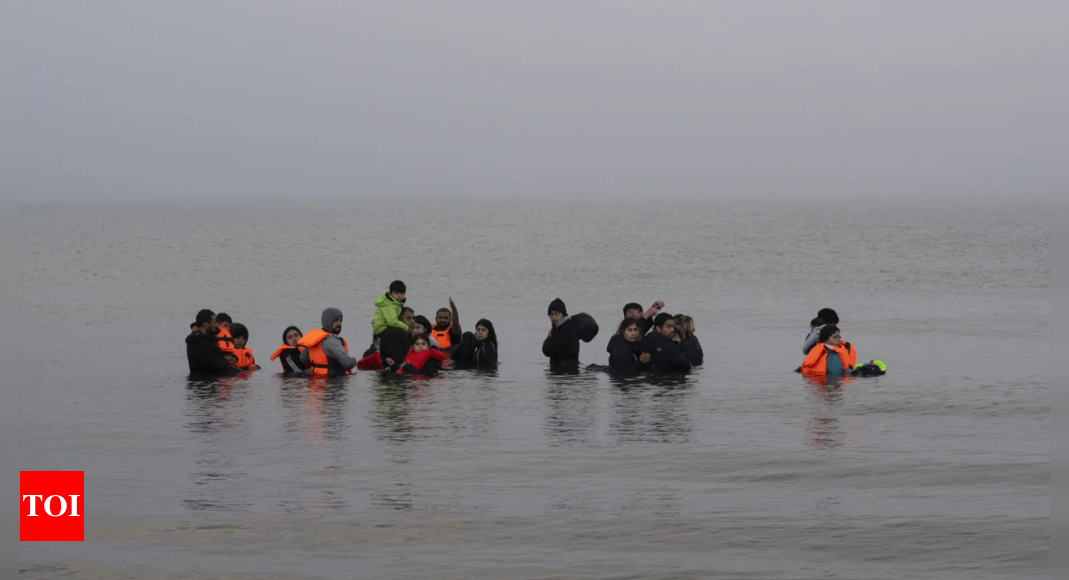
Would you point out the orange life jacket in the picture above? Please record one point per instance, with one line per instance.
(318, 359)
(245, 359)
(815, 363)
(278, 351)
(442, 336)
(226, 342)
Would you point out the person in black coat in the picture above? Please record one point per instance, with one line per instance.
(562, 344)
(202, 348)
(625, 355)
(478, 350)
(665, 355)
(692, 349)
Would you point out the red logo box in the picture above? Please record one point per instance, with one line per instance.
(53, 506)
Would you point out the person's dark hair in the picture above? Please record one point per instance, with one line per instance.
(828, 316)
(407, 309)
(632, 306)
(626, 323)
(239, 330)
(491, 334)
(204, 317)
(423, 337)
(287, 331)
(398, 286)
(223, 317)
(192, 325)
(816, 322)
(827, 331)
(440, 310)
(661, 318)
(422, 320)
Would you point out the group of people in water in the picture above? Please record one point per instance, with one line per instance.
(404, 343)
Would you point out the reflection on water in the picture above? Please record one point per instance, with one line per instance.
(216, 409)
(316, 406)
(827, 399)
(571, 407)
(648, 412)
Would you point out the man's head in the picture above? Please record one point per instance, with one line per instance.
(240, 333)
(816, 322)
(632, 310)
(408, 316)
(223, 319)
(205, 321)
(331, 320)
(443, 318)
(398, 290)
(557, 310)
(665, 324)
(828, 316)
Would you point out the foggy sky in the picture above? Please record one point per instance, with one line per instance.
(166, 100)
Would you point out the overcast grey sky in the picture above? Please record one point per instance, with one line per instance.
(156, 100)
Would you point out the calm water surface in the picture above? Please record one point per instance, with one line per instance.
(940, 469)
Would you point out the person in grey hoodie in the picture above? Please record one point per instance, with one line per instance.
(338, 359)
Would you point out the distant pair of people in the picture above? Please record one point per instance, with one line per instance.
(218, 346)
(827, 355)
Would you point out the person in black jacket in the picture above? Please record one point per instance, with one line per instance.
(665, 356)
(688, 341)
(202, 348)
(625, 356)
(562, 344)
(478, 350)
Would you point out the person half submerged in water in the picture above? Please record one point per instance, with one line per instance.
(326, 353)
(422, 359)
(662, 346)
(478, 350)
(289, 353)
(831, 356)
(202, 348)
(446, 331)
(562, 343)
(243, 358)
(625, 348)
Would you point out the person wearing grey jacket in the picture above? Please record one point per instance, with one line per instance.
(338, 359)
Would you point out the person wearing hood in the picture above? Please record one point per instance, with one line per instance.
(625, 354)
(326, 353)
(202, 348)
(562, 343)
(665, 355)
(388, 324)
(478, 350)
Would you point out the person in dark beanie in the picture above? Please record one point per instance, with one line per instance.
(562, 343)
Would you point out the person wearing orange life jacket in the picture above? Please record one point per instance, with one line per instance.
(831, 357)
(326, 353)
(222, 333)
(289, 353)
(242, 354)
(446, 331)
